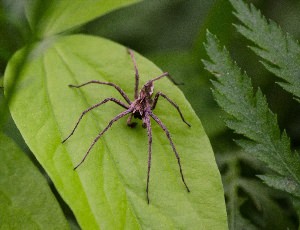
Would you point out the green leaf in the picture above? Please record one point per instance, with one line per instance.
(250, 115)
(108, 190)
(250, 204)
(284, 183)
(279, 50)
(51, 17)
(26, 199)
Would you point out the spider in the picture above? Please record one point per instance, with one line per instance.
(140, 108)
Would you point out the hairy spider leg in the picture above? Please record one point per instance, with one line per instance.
(171, 102)
(166, 74)
(159, 122)
(93, 107)
(102, 132)
(124, 95)
(136, 87)
(149, 133)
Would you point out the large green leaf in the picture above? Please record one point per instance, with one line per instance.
(25, 197)
(55, 16)
(108, 190)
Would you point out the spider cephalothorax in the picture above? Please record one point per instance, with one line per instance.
(140, 108)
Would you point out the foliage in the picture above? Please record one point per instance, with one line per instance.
(248, 112)
(278, 49)
(38, 41)
(249, 202)
(108, 191)
(250, 116)
(26, 199)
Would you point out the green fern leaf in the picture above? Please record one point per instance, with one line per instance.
(283, 183)
(281, 53)
(250, 116)
(242, 192)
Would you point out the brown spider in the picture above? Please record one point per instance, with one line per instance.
(140, 108)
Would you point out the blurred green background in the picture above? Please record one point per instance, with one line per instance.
(171, 34)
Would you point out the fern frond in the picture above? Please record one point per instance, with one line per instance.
(241, 192)
(281, 53)
(250, 116)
